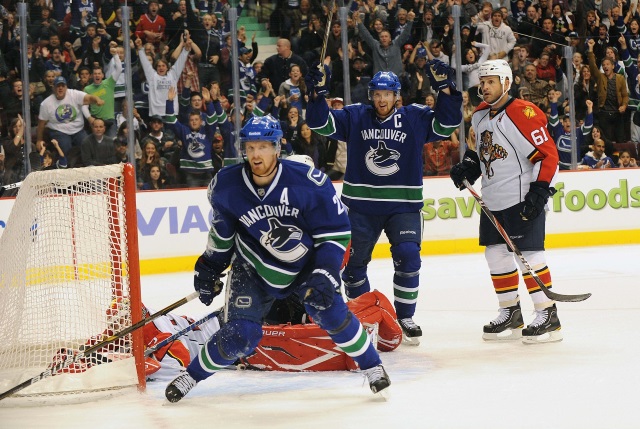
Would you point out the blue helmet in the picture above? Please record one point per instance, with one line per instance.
(386, 81)
(262, 128)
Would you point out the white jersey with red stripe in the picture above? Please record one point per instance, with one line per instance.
(187, 346)
(515, 149)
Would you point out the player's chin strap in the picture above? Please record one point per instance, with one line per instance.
(504, 91)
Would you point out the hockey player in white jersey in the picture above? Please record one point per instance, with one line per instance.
(288, 231)
(383, 181)
(518, 162)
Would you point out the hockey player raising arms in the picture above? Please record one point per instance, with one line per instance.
(289, 232)
(518, 161)
(383, 181)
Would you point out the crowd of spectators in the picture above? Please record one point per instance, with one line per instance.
(182, 77)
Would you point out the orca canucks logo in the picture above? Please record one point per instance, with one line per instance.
(195, 148)
(279, 241)
(381, 161)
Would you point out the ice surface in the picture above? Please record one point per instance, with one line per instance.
(452, 380)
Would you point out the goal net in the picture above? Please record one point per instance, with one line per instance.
(69, 277)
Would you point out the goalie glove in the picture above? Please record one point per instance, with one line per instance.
(318, 79)
(440, 75)
(535, 200)
(206, 280)
(468, 168)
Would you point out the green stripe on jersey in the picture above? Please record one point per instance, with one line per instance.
(274, 276)
(443, 130)
(197, 165)
(383, 193)
(340, 239)
(220, 243)
(212, 119)
(257, 111)
(328, 128)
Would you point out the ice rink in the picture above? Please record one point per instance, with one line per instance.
(452, 380)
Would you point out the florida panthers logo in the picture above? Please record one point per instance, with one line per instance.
(381, 161)
(280, 241)
(490, 152)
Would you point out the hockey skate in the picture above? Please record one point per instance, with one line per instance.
(545, 328)
(378, 378)
(179, 387)
(506, 327)
(411, 332)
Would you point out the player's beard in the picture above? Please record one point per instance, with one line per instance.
(265, 169)
(384, 114)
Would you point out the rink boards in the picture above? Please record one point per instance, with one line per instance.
(590, 208)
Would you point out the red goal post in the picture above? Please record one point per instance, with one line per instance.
(69, 272)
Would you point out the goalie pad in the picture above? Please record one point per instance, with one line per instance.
(374, 307)
(309, 348)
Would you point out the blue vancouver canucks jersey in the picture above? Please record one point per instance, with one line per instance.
(384, 158)
(278, 229)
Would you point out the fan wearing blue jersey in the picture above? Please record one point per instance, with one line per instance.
(282, 228)
(383, 180)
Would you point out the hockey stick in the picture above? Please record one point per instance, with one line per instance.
(91, 350)
(227, 296)
(9, 187)
(550, 294)
(323, 51)
(178, 334)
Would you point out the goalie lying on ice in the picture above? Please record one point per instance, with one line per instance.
(286, 345)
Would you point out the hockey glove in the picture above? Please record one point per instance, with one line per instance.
(206, 280)
(320, 289)
(318, 78)
(536, 198)
(468, 168)
(440, 75)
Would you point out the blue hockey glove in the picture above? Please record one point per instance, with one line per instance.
(320, 289)
(536, 198)
(440, 75)
(206, 280)
(318, 79)
(468, 168)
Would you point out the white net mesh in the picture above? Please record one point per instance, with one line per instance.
(63, 271)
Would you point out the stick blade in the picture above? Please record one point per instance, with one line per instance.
(567, 298)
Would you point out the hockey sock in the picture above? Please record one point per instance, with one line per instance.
(538, 262)
(540, 300)
(346, 331)
(406, 278)
(506, 287)
(236, 339)
(504, 274)
(353, 339)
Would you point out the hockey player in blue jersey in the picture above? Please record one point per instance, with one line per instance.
(383, 180)
(288, 231)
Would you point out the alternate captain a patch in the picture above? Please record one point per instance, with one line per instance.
(490, 151)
